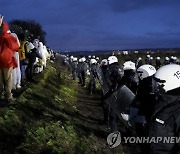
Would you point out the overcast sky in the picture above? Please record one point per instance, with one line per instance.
(101, 24)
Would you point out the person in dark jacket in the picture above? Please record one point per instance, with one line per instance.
(93, 76)
(146, 91)
(165, 120)
(114, 73)
(147, 59)
(158, 62)
(83, 70)
(31, 56)
(144, 102)
(103, 69)
(74, 65)
(113, 79)
(166, 61)
(79, 70)
(138, 62)
(104, 66)
(130, 79)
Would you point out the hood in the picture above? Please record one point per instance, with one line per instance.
(40, 46)
(30, 46)
(5, 28)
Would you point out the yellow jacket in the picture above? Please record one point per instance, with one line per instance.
(22, 52)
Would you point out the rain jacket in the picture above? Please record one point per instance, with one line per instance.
(130, 80)
(22, 51)
(165, 122)
(114, 76)
(8, 45)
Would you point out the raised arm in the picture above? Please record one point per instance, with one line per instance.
(1, 19)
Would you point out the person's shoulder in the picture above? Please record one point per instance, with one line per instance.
(176, 108)
(8, 37)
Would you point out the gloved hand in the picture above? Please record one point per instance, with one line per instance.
(133, 116)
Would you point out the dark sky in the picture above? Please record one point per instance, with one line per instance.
(101, 24)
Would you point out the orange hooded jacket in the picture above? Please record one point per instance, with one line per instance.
(8, 45)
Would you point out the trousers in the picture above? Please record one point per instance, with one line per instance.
(6, 82)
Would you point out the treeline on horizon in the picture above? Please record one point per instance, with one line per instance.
(29, 28)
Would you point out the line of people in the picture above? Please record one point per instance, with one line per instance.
(158, 61)
(157, 96)
(20, 58)
(81, 68)
(155, 109)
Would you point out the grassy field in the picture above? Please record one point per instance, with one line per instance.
(53, 115)
(36, 122)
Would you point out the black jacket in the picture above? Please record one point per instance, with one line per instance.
(146, 96)
(93, 73)
(165, 122)
(74, 65)
(130, 80)
(114, 76)
(32, 56)
(82, 67)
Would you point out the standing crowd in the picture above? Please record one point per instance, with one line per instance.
(20, 58)
(155, 84)
(154, 111)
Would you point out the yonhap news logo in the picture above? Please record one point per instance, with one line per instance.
(114, 139)
(165, 140)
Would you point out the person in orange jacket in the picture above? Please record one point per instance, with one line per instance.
(8, 45)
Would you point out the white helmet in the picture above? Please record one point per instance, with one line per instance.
(93, 61)
(139, 58)
(83, 59)
(97, 58)
(104, 62)
(166, 58)
(145, 71)
(174, 58)
(74, 58)
(129, 65)
(89, 56)
(168, 77)
(148, 56)
(112, 59)
(93, 56)
(158, 58)
(80, 59)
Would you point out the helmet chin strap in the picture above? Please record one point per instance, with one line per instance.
(159, 80)
(161, 90)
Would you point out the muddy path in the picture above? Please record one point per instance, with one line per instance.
(91, 121)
